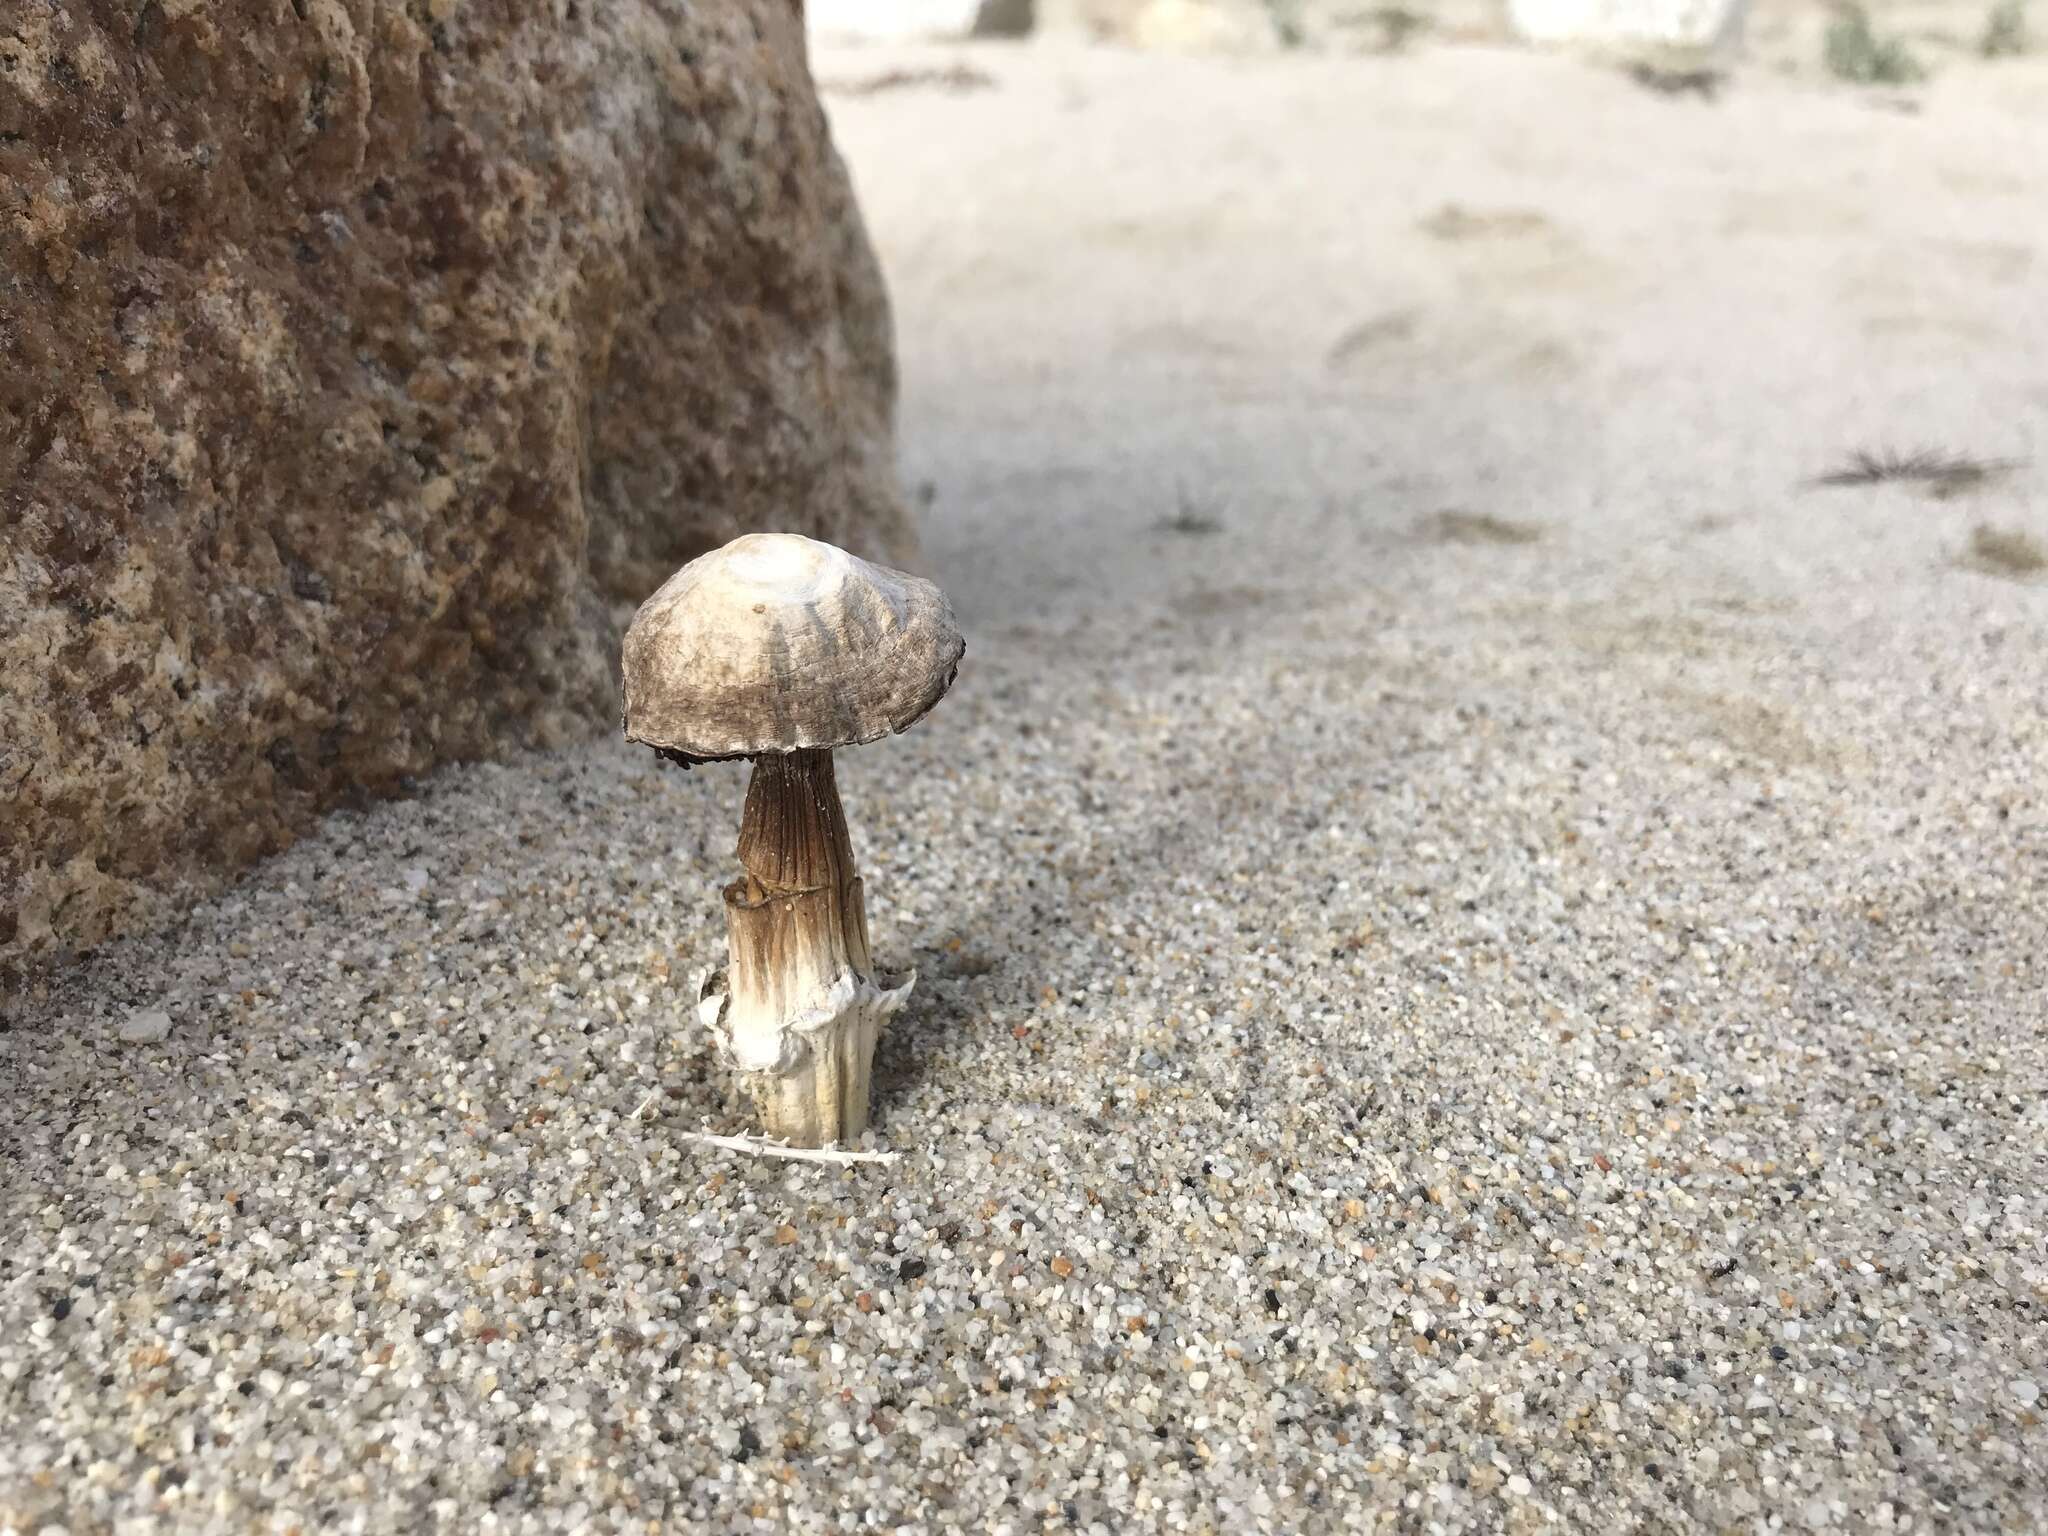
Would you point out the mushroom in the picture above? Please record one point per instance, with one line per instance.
(781, 649)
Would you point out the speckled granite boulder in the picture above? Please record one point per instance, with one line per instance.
(361, 364)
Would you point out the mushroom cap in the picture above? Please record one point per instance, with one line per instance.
(777, 642)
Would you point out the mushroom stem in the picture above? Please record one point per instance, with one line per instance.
(793, 831)
(802, 1010)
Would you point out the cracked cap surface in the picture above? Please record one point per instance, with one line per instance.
(778, 642)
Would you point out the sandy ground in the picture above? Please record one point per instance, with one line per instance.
(1483, 941)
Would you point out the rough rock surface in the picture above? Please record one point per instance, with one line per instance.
(359, 362)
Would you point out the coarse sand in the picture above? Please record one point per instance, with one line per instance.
(1482, 936)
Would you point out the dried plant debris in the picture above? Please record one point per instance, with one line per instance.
(1942, 474)
(761, 1146)
(1455, 222)
(1288, 30)
(1368, 335)
(2009, 552)
(1704, 83)
(1190, 518)
(1854, 51)
(2005, 31)
(1454, 525)
(956, 79)
(1394, 26)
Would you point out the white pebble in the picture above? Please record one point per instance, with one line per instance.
(145, 1027)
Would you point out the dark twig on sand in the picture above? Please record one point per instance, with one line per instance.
(956, 78)
(1190, 517)
(1944, 474)
(1703, 83)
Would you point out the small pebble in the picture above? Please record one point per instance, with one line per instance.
(145, 1027)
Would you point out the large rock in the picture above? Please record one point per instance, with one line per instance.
(361, 364)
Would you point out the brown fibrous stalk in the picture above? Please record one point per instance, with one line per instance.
(802, 1013)
(793, 830)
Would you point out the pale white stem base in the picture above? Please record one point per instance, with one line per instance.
(799, 1008)
(806, 1062)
